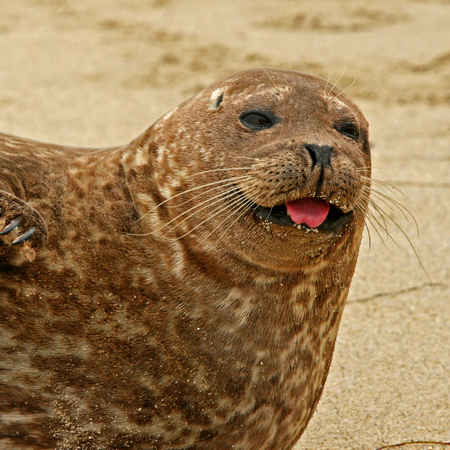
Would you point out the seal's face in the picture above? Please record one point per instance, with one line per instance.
(285, 154)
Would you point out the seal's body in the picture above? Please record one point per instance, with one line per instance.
(183, 291)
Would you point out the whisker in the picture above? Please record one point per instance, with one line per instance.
(394, 222)
(369, 236)
(245, 205)
(387, 187)
(191, 211)
(414, 250)
(215, 213)
(277, 89)
(388, 220)
(197, 208)
(194, 189)
(267, 166)
(216, 188)
(364, 169)
(270, 194)
(339, 79)
(328, 80)
(386, 198)
(369, 217)
(343, 91)
(220, 187)
(382, 224)
(247, 159)
(390, 202)
(218, 170)
(405, 211)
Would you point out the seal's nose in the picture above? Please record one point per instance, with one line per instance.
(320, 154)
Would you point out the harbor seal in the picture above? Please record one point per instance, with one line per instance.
(183, 291)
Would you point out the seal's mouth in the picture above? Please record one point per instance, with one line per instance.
(307, 213)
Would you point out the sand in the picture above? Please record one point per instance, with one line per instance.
(97, 73)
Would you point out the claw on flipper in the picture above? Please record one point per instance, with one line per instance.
(10, 227)
(24, 236)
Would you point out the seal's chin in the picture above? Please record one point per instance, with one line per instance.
(334, 222)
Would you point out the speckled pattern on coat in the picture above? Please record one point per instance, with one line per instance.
(194, 324)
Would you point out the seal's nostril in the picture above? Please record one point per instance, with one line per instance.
(312, 154)
(320, 154)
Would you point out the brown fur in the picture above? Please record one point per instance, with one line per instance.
(124, 324)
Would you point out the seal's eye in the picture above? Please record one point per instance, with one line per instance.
(258, 120)
(349, 129)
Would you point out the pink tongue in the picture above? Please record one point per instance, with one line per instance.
(310, 211)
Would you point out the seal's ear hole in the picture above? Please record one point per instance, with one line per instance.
(349, 129)
(218, 101)
(258, 120)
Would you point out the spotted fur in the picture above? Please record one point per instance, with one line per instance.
(151, 308)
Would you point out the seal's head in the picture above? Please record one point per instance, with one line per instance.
(269, 152)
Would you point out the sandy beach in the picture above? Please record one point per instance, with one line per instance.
(99, 73)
